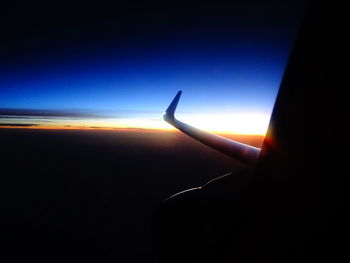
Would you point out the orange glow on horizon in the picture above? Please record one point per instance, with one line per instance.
(237, 123)
(56, 127)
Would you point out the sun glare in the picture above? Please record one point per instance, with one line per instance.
(236, 123)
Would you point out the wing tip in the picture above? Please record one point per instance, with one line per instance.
(170, 112)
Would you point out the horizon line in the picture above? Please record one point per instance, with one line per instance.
(96, 128)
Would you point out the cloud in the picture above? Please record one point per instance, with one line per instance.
(19, 124)
(41, 113)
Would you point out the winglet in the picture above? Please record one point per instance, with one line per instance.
(169, 113)
(239, 151)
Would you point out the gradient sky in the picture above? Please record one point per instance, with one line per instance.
(97, 65)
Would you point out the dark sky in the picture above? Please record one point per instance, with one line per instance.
(126, 60)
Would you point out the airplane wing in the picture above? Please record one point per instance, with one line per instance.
(242, 152)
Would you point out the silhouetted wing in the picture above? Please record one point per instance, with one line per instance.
(242, 152)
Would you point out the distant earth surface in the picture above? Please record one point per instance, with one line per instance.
(89, 195)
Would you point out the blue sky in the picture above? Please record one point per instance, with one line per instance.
(222, 71)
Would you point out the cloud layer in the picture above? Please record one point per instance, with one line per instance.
(19, 124)
(41, 113)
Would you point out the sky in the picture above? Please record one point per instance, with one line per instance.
(119, 65)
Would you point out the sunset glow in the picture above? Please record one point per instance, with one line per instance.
(239, 123)
(229, 73)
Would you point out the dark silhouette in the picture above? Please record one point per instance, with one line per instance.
(290, 207)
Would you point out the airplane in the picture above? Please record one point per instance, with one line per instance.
(288, 205)
(242, 152)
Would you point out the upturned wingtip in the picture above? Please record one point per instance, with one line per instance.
(170, 112)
